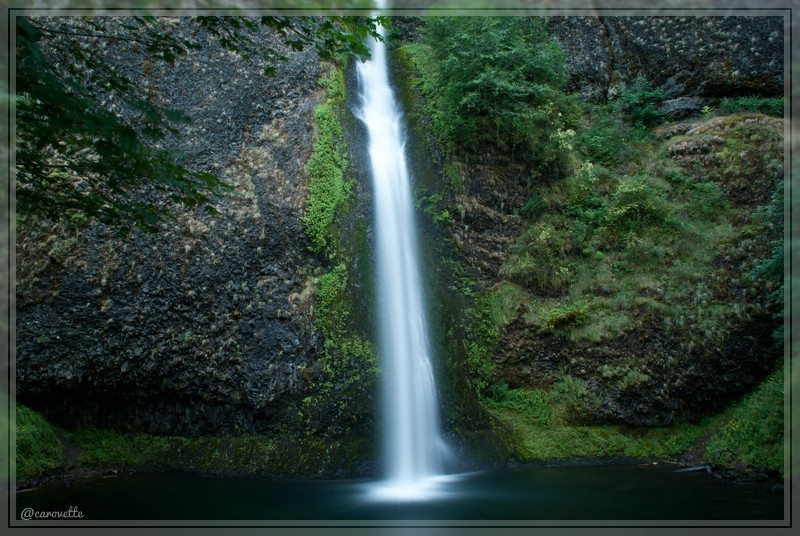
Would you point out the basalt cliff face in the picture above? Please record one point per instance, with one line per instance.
(204, 327)
(691, 59)
(663, 367)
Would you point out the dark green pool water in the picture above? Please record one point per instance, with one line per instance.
(550, 493)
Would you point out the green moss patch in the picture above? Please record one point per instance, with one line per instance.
(541, 429)
(221, 456)
(754, 435)
(39, 449)
(327, 166)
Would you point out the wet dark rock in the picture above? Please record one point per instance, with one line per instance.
(697, 57)
(205, 327)
(588, 53)
(681, 107)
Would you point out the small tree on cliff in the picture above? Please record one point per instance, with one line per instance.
(80, 156)
(498, 80)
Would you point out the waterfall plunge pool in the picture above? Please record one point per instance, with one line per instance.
(538, 494)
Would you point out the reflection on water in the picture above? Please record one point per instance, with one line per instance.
(554, 493)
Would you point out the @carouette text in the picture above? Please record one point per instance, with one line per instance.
(71, 513)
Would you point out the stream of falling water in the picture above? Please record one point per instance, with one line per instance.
(413, 445)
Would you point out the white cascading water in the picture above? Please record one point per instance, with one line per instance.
(413, 446)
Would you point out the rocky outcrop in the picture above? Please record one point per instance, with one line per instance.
(650, 371)
(588, 54)
(693, 60)
(653, 373)
(646, 377)
(205, 327)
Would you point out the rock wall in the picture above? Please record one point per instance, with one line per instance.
(205, 327)
(690, 373)
(692, 59)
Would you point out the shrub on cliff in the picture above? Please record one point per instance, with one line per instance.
(496, 80)
(753, 103)
(39, 450)
(640, 102)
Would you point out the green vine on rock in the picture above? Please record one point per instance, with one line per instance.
(336, 404)
(327, 166)
(326, 174)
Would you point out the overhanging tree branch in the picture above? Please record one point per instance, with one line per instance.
(76, 155)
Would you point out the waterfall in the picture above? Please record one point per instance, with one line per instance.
(413, 446)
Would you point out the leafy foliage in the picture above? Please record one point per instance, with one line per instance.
(330, 286)
(433, 206)
(89, 137)
(39, 449)
(481, 341)
(496, 79)
(753, 103)
(74, 156)
(635, 203)
(607, 139)
(330, 36)
(640, 102)
(563, 315)
(326, 167)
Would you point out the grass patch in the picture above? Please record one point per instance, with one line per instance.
(754, 435)
(540, 431)
(39, 450)
(564, 442)
(603, 326)
(234, 455)
(505, 302)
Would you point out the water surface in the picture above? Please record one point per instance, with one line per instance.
(544, 493)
